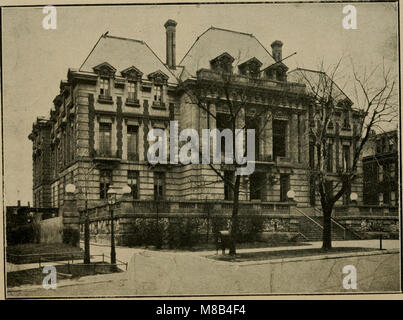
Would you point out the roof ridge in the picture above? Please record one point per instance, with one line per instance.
(311, 70)
(229, 30)
(123, 38)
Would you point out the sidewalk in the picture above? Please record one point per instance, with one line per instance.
(117, 283)
(125, 253)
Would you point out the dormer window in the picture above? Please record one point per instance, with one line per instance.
(222, 63)
(158, 93)
(104, 87)
(276, 72)
(105, 72)
(159, 80)
(133, 76)
(131, 91)
(250, 68)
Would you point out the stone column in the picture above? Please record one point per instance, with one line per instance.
(304, 136)
(268, 136)
(294, 138)
(114, 139)
(124, 140)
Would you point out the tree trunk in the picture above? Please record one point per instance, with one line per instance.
(234, 218)
(327, 228)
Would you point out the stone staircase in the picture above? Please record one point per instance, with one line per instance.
(311, 228)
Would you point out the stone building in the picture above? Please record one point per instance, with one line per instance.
(380, 170)
(96, 135)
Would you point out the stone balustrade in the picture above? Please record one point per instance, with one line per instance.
(178, 208)
(365, 211)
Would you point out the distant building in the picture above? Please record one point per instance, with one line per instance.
(380, 169)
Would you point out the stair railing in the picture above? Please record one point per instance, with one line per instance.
(345, 229)
(306, 216)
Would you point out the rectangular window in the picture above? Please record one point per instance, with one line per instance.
(228, 178)
(346, 196)
(222, 122)
(158, 94)
(284, 186)
(386, 197)
(131, 91)
(133, 182)
(380, 198)
(370, 178)
(346, 158)
(104, 87)
(346, 122)
(330, 157)
(380, 173)
(392, 169)
(159, 185)
(105, 179)
(392, 198)
(257, 186)
(311, 155)
(253, 123)
(132, 143)
(279, 138)
(105, 139)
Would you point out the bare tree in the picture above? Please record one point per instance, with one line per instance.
(232, 94)
(331, 109)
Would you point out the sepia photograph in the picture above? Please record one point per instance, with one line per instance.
(201, 150)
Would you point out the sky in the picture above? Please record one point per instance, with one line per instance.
(35, 59)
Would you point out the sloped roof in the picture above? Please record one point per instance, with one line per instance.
(216, 41)
(318, 81)
(122, 53)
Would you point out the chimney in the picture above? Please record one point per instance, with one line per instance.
(276, 48)
(170, 27)
(19, 203)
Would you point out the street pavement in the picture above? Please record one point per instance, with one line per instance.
(115, 284)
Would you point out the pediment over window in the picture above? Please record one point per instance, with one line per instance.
(250, 67)
(277, 71)
(105, 69)
(222, 62)
(132, 73)
(158, 77)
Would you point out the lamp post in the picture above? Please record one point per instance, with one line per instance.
(354, 197)
(111, 194)
(291, 195)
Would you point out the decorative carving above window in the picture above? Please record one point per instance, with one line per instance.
(105, 70)
(158, 77)
(132, 73)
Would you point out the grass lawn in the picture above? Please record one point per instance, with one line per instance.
(35, 276)
(30, 252)
(249, 245)
(282, 254)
